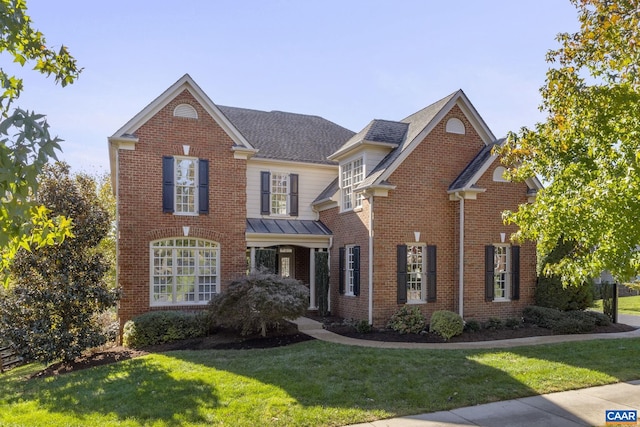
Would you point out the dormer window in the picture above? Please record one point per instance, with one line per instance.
(352, 174)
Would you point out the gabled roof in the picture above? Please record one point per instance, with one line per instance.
(184, 83)
(288, 136)
(419, 126)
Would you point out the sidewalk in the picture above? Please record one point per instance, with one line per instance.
(585, 407)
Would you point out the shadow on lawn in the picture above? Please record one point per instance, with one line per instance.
(136, 388)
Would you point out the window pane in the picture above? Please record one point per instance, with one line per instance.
(186, 185)
(415, 273)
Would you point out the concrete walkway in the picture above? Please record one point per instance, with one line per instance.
(585, 407)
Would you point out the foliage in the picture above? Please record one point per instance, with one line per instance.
(446, 323)
(158, 327)
(550, 292)
(107, 246)
(258, 302)
(513, 323)
(587, 150)
(574, 322)
(50, 311)
(494, 324)
(544, 317)
(626, 305)
(472, 325)
(600, 319)
(322, 282)
(25, 142)
(362, 326)
(565, 322)
(407, 321)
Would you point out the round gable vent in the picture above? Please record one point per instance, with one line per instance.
(186, 111)
(455, 126)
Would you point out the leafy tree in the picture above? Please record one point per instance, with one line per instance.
(25, 142)
(50, 310)
(587, 150)
(258, 302)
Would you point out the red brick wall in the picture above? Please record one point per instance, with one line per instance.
(141, 219)
(420, 203)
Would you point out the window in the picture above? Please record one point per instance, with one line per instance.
(349, 265)
(416, 271)
(278, 193)
(352, 174)
(184, 271)
(185, 188)
(415, 274)
(502, 272)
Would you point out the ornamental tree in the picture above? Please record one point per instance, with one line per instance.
(587, 151)
(25, 142)
(49, 311)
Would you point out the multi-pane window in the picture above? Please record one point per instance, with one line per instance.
(350, 263)
(416, 285)
(186, 185)
(352, 175)
(501, 271)
(279, 193)
(184, 271)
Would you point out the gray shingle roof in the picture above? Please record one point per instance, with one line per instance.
(379, 131)
(329, 191)
(287, 226)
(416, 123)
(288, 136)
(464, 179)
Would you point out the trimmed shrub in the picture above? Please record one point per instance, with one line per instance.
(258, 302)
(494, 324)
(362, 326)
(542, 316)
(550, 292)
(158, 327)
(574, 322)
(407, 321)
(446, 323)
(472, 325)
(513, 323)
(601, 319)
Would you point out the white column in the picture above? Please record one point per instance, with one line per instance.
(252, 256)
(312, 279)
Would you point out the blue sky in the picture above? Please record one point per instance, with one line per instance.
(349, 61)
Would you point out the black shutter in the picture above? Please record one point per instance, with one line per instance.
(167, 184)
(356, 270)
(203, 186)
(293, 194)
(402, 273)
(431, 273)
(489, 269)
(341, 268)
(265, 193)
(515, 272)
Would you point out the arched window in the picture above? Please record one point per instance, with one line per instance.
(184, 271)
(185, 110)
(455, 126)
(498, 174)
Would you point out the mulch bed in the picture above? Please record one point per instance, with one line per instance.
(229, 340)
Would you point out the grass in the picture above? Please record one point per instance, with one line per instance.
(626, 305)
(308, 384)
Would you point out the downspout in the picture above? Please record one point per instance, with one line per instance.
(461, 258)
(370, 259)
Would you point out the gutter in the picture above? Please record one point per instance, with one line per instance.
(461, 258)
(370, 270)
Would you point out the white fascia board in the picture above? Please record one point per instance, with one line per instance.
(115, 144)
(184, 83)
(362, 144)
(278, 162)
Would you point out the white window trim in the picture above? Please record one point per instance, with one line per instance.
(349, 282)
(196, 179)
(507, 284)
(423, 274)
(355, 197)
(174, 247)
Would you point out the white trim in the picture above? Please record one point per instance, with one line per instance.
(361, 145)
(263, 240)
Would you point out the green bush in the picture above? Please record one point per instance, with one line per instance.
(601, 319)
(550, 292)
(407, 321)
(157, 327)
(258, 302)
(574, 322)
(513, 323)
(472, 325)
(446, 323)
(494, 324)
(544, 317)
(362, 326)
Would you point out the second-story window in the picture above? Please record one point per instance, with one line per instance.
(278, 193)
(186, 177)
(185, 185)
(352, 174)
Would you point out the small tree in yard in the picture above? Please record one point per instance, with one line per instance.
(49, 310)
(259, 301)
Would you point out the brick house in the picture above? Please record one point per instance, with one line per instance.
(403, 212)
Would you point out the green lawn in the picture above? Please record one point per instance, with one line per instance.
(626, 305)
(308, 384)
